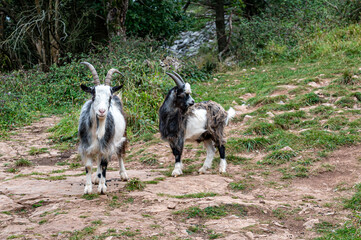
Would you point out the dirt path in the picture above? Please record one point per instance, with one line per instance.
(45, 201)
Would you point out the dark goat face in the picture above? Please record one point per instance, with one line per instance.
(183, 97)
(102, 97)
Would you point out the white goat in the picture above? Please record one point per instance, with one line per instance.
(102, 130)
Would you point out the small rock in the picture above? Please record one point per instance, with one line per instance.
(270, 114)
(311, 223)
(253, 69)
(262, 201)
(234, 102)
(355, 77)
(247, 117)
(244, 70)
(172, 205)
(321, 75)
(278, 224)
(293, 69)
(281, 102)
(249, 235)
(263, 70)
(287, 148)
(215, 79)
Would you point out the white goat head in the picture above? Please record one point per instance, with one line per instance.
(102, 94)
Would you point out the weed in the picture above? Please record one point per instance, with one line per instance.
(195, 195)
(12, 170)
(261, 128)
(38, 204)
(36, 151)
(149, 161)
(325, 227)
(289, 119)
(346, 102)
(74, 165)
(23, 163)
(134, 184)
(355, 201)
(278, 157)
(42, 221)
(238, 186)
(90, 196)
(348, 79)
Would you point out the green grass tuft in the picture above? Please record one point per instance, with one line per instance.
(135, 184)
(23, 163)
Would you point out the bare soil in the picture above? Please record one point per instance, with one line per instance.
(45, 200)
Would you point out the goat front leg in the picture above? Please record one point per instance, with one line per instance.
(102, 187)
(177, 149)
(208, 144)
(88, 170)
(223, 162)
(98, 174)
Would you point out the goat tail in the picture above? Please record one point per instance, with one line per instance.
(230, 114)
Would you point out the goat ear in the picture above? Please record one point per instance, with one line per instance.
(86, 89)
(117, 88)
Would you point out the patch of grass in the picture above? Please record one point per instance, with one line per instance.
(249, 144)
(15, 236)
(97, 222)
(309, 99)
(213, 212)
(261, 128)
(327, 140)
(236, 160)
(322, 110)
(23, 163)
(12, 170)
(325, 227)
(355, 202)
(135, 184)
(336, 123)
(90, 196)
(62, 163)
(238, 186)
(42, 221)
(38, 204)
(348, 79)
(82, 234)
(278, 157)
(195, 195)
(289, 119)
(74, 165)
(266, 100)
(151, 161)
(280, 213)
(36, 151)
(346, 102)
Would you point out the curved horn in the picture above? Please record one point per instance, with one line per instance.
(110, 73)
(94, 73)
(176, 80)
(179, 77)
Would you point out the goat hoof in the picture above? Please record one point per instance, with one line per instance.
(202, 170)
(88, 189)
(102, 189)
(124, 176)
(177, 172)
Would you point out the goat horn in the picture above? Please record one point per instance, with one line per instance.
(176, 80)
(110, 74)
(94, 73)
(179, 77)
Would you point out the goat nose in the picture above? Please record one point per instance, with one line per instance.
(191, 103)
(101, 111)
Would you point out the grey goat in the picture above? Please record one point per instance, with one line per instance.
(181, 119)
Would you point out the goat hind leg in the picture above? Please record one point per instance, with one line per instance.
(223, 162)
(122, 172)
(208, 144)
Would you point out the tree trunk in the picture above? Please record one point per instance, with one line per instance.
(117, 11)
(220, 26)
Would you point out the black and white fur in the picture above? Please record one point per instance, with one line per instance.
(102, 130)
(181, 119)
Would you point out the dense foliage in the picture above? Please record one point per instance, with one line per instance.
(157, 19)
